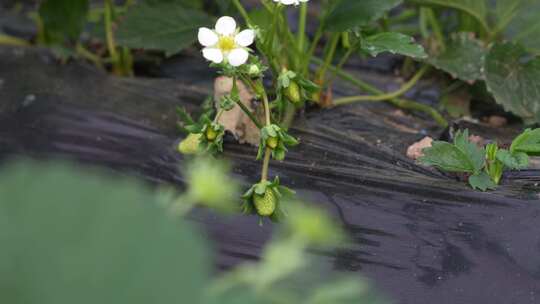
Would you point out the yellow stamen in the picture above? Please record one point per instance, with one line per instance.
(226, 43)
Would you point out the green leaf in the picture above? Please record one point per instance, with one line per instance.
(524, 26)
(474, 154)
(505, 12)
(512, 76)
(87, 238)
(482, 181)
(528, 142)
(350, 14)
(447, 157)
(463, 58)
(165, 26)
(514, 161)
(475, 8)
(395, 43)
(462, 156)
(63, 19)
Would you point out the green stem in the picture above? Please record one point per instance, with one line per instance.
(436, 27)
(285, 30)
(242, 10)
(265, 103)
(313, 47)
(398, 102)
(341, 63)
(83, 52)
(329, 55)
(266, 164)
(269, 44)
(387, 96)
(423, 24)
(218, 115)
(111, 46)
(268, 151)
(249, 114)
(14, 41)
(242, 106)
(288, 118)
(302, 28)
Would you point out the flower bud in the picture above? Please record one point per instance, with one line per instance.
(293, 93)
(265, 204)
(254, 70)
(190, 145)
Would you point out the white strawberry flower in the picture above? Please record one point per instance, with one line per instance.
(226, 43)
(289, 2)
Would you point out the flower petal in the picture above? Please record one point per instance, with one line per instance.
(213, 54)
(207, 37)
(238, 57)
(245, 38)
(226, 26)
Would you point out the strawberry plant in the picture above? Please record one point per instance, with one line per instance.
(484, 166)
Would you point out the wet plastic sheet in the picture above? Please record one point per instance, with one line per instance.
(420, 236)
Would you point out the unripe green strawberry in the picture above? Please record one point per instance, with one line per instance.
(265, 204)
(272, 142)
(211, 134)
(293, 93)
(190, 145)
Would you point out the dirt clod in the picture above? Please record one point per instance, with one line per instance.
(415, 150)
(497, 121)
(235, 120)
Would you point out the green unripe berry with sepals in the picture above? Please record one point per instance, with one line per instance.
(190, 145)
(293, 93)
(254, 70)
(211, 134)
(265, 204)
(272, 142)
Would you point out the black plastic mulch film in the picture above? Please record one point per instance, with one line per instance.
(420, 236)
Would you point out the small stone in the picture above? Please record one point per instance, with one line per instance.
(477, 140)
(415, 151)
(29, 99)
(235, 120)
(496, 121)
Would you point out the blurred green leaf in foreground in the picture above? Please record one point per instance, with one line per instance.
(72, 236)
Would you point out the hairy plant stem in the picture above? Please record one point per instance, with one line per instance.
(218, 115)
(242, 106)
(302, 27)
(267, 151)
(329, 56)
(288, 118)
(341, 63)
(383, 97)
(312, 48)
(398, 102)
